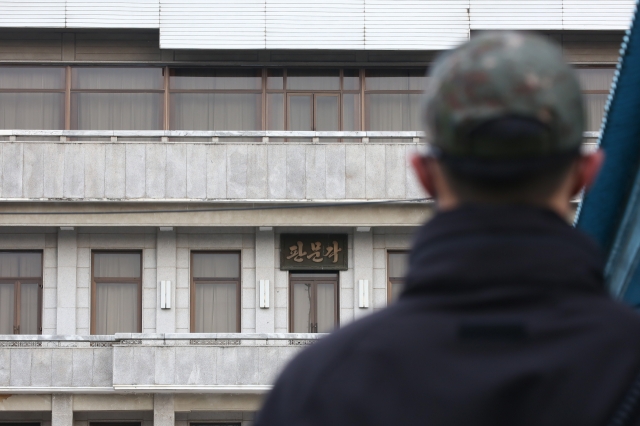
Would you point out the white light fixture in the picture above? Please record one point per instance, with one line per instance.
(266, 228)
(363, 229)
(363, 293)
(66, 228)
(165, 294)
(264, 294)
(166, 228)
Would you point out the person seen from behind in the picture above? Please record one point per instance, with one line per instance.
(504, 318)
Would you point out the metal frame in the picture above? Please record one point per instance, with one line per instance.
(95, 280)
(314, 302)
(192, 287)
(17, 282)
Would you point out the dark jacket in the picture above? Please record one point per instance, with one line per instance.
(504, 321)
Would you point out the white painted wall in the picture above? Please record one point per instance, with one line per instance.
(318, 24)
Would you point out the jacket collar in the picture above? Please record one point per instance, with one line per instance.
(479, 247)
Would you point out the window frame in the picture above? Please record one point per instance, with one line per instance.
(314, 296)
(192, 287)
(16, 291)
(138, 282)
(394, 280)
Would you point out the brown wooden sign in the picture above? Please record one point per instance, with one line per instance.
(313, 252)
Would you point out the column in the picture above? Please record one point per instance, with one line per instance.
(66, 290)
(265, 270)
(166, 271)
(61, 410)
(362, 269)
(163, 410)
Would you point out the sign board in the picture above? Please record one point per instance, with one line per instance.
(313, 252)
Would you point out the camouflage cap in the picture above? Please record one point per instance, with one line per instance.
(498, 75)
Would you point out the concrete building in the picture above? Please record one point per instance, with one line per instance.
(193, 190)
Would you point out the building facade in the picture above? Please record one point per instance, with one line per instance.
(192, 191)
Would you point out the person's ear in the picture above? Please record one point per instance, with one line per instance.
(588, 166)
(422, 166)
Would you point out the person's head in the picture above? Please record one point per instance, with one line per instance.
(504, 118)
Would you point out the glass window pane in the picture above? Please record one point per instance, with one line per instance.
(116, 111)
(275, 80)
(326, 307)
(117, 308)
(275, 111)
(395, 79)
(351, 80)
(300, 112)
(20, 264)
(117, 78)
(216, 111)
(7, 304)
(350, 112)
(116, 265)
(32, 111)
(396, 289)
(596, 78)
(393, 112)
(302, 79)
(215, 79)
(594, 110)
(216, 308)
(327, 117)
(32, 78)
(398, 263)
(302, 308)
(216, 265)
(29, 308)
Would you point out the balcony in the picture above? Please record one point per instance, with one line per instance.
(146, 363)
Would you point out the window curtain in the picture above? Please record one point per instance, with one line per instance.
(302, 308)
(216, 265)
(216, 308)
(325, 309)
(300, 112)
(216, 111)
(117, 308)
(594, 110)
(30, 111)
(20, 264)
(117, 111)
(28, 308)
(327, 116)
(393, 112)
(6, 308)
(350, 112)
(116, 265)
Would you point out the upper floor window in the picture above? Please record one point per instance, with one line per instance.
(215, 292)
(396, 270)
(116, 98)
(596, 83)
(313, 301)
(32, 98)
(20, 292)
(116, 292)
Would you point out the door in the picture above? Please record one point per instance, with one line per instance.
(314, 302)
(314, 112)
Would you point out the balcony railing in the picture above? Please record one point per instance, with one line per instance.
(149, 363)
(226, 135)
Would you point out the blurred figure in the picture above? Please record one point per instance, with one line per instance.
(504, 319)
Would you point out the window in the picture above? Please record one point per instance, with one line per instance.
(20, 292)
(210, 99)
(117, 98)
(116, 292)
(596, 83)
(32, 97)
(215, 292)
(313, 302)
(393, 99)
(396, 270)
(306, 100)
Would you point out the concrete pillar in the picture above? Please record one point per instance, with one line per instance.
(61, 410)
(163, 410)
(66, 290)
(265, 270)
(362, 269)
(166, 271)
